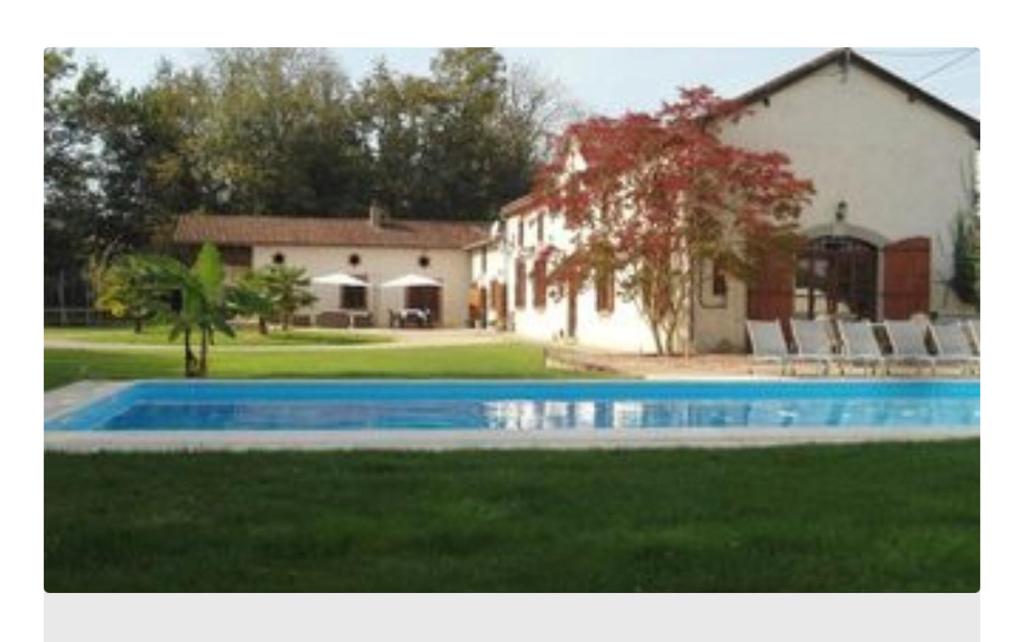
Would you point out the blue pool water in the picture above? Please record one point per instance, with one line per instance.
(527, 405)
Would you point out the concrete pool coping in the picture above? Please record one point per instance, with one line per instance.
(72, 397)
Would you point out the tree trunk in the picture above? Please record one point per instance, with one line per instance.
(61, 299)
(204, 338)
(286, 321)
(190, 358)
(263, 326)
(138, 325)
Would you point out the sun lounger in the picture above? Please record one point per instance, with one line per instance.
(951, 343)
(907, 339)
(859, 345)
(813, 343)
(974, 330)
(768, 344)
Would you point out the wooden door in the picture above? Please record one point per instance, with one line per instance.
(770, 295)
(906, 288)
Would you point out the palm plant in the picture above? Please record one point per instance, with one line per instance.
(288, 289)
(251, 296)
(197, 301)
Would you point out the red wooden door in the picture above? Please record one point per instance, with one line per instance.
(770, 295)
(907, 268)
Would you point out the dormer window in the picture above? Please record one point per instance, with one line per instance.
(278, 259)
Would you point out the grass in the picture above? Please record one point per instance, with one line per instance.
(506, 360)
(882, 517)
(157, 335)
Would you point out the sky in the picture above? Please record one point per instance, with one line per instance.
(611, 81)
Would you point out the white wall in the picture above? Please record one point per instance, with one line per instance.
(451, 267)
(903, 168)
(622, 329)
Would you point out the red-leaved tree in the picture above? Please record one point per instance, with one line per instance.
(652, 197)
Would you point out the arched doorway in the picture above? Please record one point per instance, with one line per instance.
(837, 275)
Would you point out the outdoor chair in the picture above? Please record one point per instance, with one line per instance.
(973, 327)
(859, 346)
(951, 343)
(908, 341)
(813, 344)
(767, 343)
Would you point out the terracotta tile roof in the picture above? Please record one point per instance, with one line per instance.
(281, 230)
(522, 205)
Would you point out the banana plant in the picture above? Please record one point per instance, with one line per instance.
(197, 302)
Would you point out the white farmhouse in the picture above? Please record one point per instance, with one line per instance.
(893, 167)
(373, 249)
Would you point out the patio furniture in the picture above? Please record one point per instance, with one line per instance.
(813, 344)
(859, 346)
(909, 343)
(333, 319)
(406, 316)
(767, 343)
(339, 278)
(951, 343)
(973, 327)
(360, 318)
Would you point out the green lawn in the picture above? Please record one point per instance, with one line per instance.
(505, 360)
(157, 335)
(884, 517)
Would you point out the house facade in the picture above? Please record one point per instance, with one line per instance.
(893, 168)
(374, 249)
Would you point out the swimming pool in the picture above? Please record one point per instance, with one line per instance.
(525, 406)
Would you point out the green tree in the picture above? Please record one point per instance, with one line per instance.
(251, 296)
(196, 301)
(125, 290)
(288, 289)
(966, 282)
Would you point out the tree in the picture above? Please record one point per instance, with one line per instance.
(966, 281)
(287, 287)
(251, 296)
(126, 290)
(653, 197)
(196, 301)
(462, 142)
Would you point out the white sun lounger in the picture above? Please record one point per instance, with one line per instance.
(859, 345)
(768, 345)
(907, 339)
(952, 345)
(974, 330)
(813, 344)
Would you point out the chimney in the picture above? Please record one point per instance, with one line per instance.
(378, 215)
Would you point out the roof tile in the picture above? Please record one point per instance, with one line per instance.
(281, 230)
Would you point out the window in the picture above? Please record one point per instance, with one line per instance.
(540, 284)
(278, 259)
(605, 290)
(719, 284)
(483, 260)
(424, 261)
(353, 297)
(520, 284)
(540, 228)
(522, 231)
(354, 259)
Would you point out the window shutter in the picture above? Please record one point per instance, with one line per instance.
(906, 287)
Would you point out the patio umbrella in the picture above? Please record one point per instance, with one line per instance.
(339, 278)
(411, 281)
